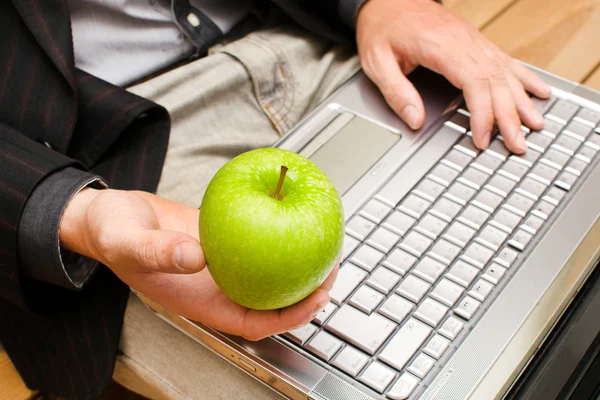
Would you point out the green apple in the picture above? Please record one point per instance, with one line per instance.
(271, 227)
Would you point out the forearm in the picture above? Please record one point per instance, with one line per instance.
(72, 231)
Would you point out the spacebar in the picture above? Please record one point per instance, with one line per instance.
(418, 165)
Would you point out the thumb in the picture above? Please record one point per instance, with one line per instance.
(164, 251)
(382, 67)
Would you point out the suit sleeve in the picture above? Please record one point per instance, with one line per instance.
(24, 165)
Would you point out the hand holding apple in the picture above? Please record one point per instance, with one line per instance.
(136, 235)
(271, 227)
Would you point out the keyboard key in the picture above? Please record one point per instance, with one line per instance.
(534, 223)
(492, 237)
(375, 210)
(519, 204)
(543, 209)
(447, 292)
(429, 190)
(431, 226)
(396, 308)
(405, 343)
(514, 170)
(350, 360)
(399, 222)
(528, 159)
(451, 328)
(429, 269)
(383, 239)
(487, 163)
(460, 193)
(590, 117)
(533, 187)
(446, 251)
(467, 146)
(459, 234)
(436, 346)
(580, 130)
(414, 206)
(467, 307)
(577, 165)
(325, 313)
(506, 257)
(474, 217)
(421, 365)
(477, 255)
(543, 104)
(539, 139)
(501, 185)
(494, 273)
(456, 159)
(360, 227)
(462, 273)
(563, 110)
(377, 376)
(555, 158)
(545, 172)
(506, 220)
(324, 345)
(498, 149)
(383, 280)
(444, 174)
(416, 243)
(349, 277)
(366, 299)
(413, 288)
(350, 244)
(400, 261)
(474, 177)
(594, 139)
(459, 122)
(566, 180)
(552, 127)
(445, 208)
(520, 239)
(367, 332)
(431, 312)
(586, 152)
(481, 290)
(302, 334)
(367, 257)
(568, 143)
(403, 387)
(488, 201)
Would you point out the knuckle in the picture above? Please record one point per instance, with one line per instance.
(147, 255)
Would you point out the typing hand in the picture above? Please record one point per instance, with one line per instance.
(395, 36)
(151, 243)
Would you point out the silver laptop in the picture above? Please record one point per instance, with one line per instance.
(456, 262)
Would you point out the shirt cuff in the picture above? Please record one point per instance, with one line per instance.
(40, 255)
(348, 10)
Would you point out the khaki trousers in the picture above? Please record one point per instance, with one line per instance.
(245, 94)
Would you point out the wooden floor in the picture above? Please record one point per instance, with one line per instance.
(561, 36)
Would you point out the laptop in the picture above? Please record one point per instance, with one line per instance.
(457, 263)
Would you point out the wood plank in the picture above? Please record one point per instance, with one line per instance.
(557, 35)
(593, 80)
(11, 385)
(478, 12)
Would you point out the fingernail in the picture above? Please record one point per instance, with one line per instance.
(520, 141)
(537, 117)
(320, 307)
(186, 256)
(410, 116)
(547, 91)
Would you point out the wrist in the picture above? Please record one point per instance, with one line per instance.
(73, 226)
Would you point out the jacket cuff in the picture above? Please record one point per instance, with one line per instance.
(41, 257)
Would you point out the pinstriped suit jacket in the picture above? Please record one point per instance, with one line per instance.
(54, 116)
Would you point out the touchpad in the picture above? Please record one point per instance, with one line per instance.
(348, 147)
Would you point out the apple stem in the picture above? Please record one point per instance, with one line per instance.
(280, 183)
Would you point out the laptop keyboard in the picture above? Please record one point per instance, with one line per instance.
(416, 272)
